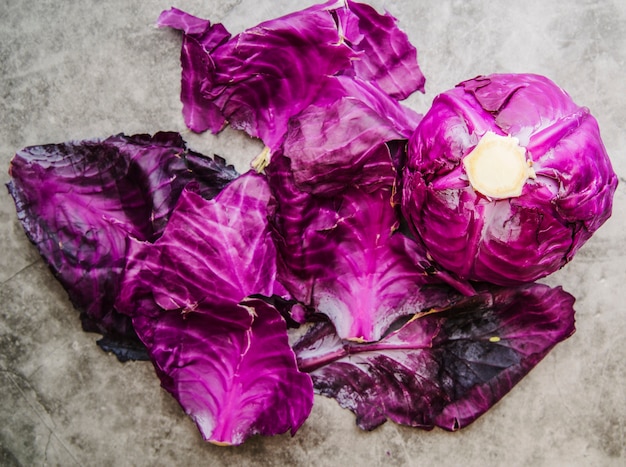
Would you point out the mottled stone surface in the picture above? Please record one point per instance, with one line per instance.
(75, 70)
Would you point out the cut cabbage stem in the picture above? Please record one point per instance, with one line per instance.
(497, 167)
(261, 161)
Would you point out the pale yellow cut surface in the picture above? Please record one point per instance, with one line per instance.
(261, 161)
(497, 166)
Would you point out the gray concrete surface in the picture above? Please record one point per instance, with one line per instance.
(81, 69)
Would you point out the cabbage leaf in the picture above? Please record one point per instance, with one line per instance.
(443, 368)
(245, 81)
(80, 201)
(345, 258)
(222, 354)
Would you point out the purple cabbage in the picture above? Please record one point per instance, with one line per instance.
(444, 368)
(223, 354)
(168, 252)
(79, 202)
(513, 239)
(244, 80)
(373, 279)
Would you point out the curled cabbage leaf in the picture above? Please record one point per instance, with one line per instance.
(193, 296)
(257, 80)
(566, 194)
(80, 201)
(344, 257)
(444, 368)
(348, 137)
(385, 56)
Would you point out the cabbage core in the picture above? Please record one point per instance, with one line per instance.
(497, 166)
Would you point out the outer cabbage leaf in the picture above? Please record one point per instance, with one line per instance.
(231, 369)
(301, 225)
(200, 38)
(224, 357)
(443, 368)
(257, 80)
(343, 138)
(261, 77)
(386, 56)
(518, 239)
(79, 202)
(373, 280)
(344, 257)
(217, 252)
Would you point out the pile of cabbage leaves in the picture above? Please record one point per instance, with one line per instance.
(310, 273)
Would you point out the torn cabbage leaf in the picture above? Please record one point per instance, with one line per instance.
(257, 80)
(344, 257)
(80, 201)
(443, 368)
(348, 137)
(223, 355)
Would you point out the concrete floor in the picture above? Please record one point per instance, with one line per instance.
(75, 70)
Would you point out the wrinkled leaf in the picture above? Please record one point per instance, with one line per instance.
(444, 368)
(386, 57)
(200, 39)
(225, 358)
(79, 202)
(343, 138)
(244, 80)
(217, 252)
(344, 257)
